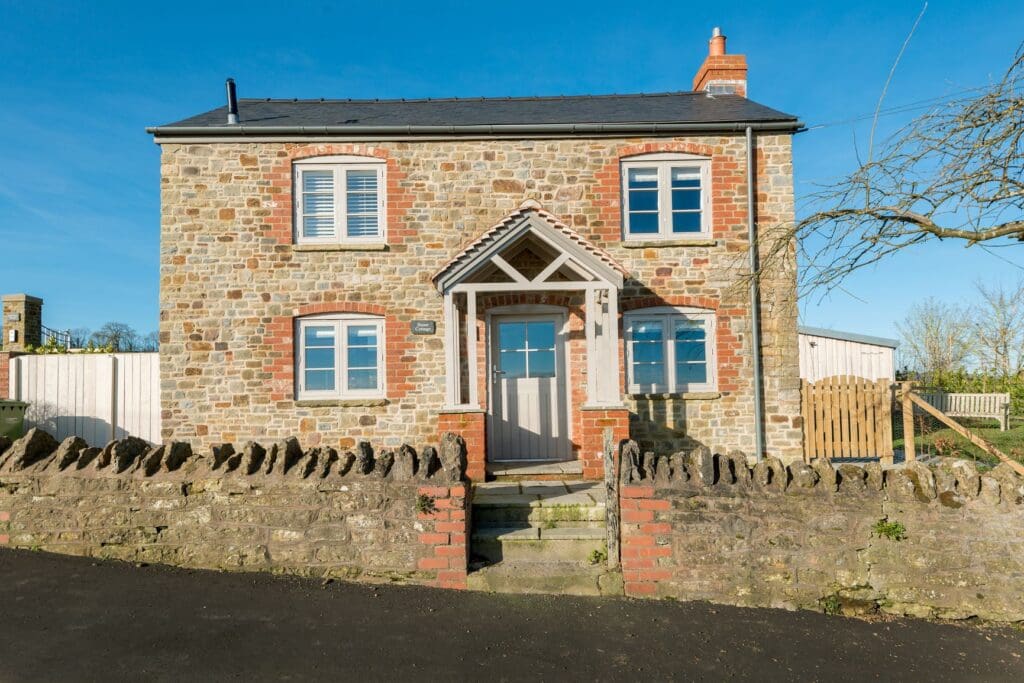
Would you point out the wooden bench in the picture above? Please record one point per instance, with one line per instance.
(994, 406)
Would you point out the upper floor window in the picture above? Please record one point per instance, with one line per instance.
(666, 196)
(339, 199)
(670, 350)
(340, 356)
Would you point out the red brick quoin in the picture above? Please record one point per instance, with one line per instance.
(445, 533)
(279, 179)
(279, 337)
(646, 555)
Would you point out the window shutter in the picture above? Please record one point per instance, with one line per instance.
(317, 206)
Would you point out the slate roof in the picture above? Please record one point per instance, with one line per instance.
(618, 111)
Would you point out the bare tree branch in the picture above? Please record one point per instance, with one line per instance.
(954, 173)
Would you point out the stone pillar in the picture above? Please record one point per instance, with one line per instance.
(22, 322)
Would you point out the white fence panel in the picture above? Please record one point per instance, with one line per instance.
(97, 397)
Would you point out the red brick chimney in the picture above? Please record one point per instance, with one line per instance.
(721, 74)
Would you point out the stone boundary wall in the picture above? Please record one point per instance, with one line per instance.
(388, 516)
(697, 526)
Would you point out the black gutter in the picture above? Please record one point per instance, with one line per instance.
(791, 126)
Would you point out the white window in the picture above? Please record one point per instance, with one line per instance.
(666, 196)
(340, 200)
(670, 350)
(340, 356)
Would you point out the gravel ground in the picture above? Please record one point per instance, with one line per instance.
(74, 619)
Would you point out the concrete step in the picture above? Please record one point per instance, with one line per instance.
(513, 471)
(559, 578)
(539, 545)
(575, 515)
(539, 503)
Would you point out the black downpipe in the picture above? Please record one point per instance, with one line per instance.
(232, 102)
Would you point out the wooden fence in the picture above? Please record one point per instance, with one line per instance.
(98, 397)
(847, 417)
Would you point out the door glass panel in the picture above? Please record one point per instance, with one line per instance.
(526, 349)
(542, 363)
(511, 336)
(512, 364)
(540, 335)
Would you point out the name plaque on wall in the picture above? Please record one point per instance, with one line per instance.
(423, 327)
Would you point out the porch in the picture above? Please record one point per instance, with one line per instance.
(531, 341)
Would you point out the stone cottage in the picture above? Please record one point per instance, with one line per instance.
(524, 271)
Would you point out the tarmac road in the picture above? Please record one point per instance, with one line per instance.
(75, 619)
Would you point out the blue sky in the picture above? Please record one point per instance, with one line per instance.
(79, 182)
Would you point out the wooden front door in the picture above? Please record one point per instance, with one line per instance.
(529, 410)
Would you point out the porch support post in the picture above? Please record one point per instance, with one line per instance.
(590, 323)
(611, 335)
(474, 389)
(451, 351)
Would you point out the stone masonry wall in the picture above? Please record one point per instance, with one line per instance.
(703, 527)
(232, 282)
(383, 516)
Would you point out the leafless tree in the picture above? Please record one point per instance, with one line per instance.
(151, 342)
(937, 338)
(118, 336)
(999, 328)
(78, 337)
(954, 173)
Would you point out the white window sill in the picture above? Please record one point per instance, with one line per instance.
(349, 246)
(684, 395)
(341, 402)
(654, 244)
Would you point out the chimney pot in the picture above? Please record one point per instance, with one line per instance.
(716, 46)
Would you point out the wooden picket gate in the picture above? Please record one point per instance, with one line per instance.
(847, 417)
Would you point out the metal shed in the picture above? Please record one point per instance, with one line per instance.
(825, 353)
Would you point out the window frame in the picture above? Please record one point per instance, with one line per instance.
(341, 322)
(664, 162)
(339, 165)
(667, 316)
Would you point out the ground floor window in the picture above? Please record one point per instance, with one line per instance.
(670, 350)
(340, 356)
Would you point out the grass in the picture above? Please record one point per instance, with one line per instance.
(941, 440)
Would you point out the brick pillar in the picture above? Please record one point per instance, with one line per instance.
(5, 373)
(469, 424)
(445, 533)
(22, 322)
(646, 553)
(592, 440)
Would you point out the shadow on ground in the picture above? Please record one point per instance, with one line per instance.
(74, 619)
